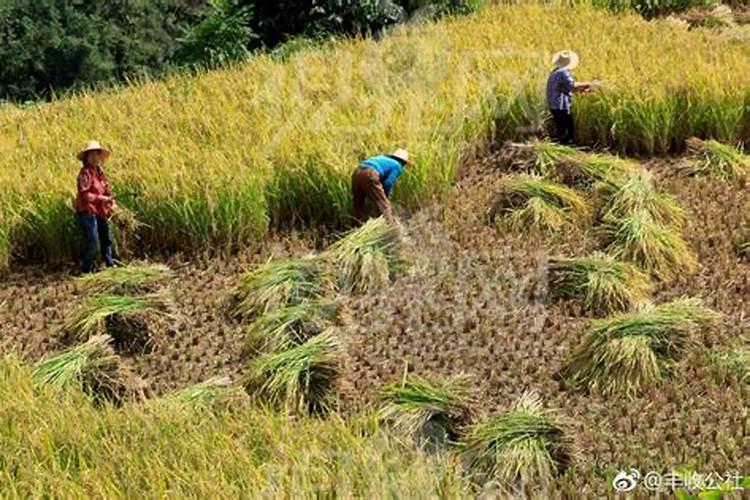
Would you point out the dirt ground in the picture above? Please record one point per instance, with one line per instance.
(473, 301)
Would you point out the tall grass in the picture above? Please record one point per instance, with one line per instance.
(53, 446)
(604, 284)
(524, 447)
(629, 352)
(216, 157)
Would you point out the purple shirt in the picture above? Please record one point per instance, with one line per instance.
(560, 89)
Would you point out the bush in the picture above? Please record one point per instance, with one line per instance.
(219, 38)
(652, 8)
(54, 45)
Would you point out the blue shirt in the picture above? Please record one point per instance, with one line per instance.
(560, 89)
(388, 168)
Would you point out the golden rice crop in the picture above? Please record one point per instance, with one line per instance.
(214, 158)
(630, 351)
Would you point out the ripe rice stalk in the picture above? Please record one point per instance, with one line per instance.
(432, 413)
(216, 391)
(276, 285)
(525, 447)
(533, 202)
(636, 193)
(298, 379)
(714, 159)
(585, 170)
(604, 284)
(92, 366)
(129, 279)
(628, 352)
(92, 316)
(655, 247)
(731, 364)
(536, 157)
(290, 326)
(366, 258)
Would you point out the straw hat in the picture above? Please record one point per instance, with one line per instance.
(565, 59)
(401, 154)
(92, 146)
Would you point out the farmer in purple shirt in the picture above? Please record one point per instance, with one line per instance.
(560, 88)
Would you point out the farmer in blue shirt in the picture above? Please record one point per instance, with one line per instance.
(374, 178)
(560, 88)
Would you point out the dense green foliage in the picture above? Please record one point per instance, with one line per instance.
(651, 8)
(48, 46)
(52, 46)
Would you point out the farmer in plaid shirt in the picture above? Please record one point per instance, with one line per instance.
(94, 205)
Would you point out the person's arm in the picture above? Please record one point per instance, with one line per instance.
(582, 86)
(390, 180)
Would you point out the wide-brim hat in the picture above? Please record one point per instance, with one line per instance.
(92, 146)
(566, 59)
(401, 154)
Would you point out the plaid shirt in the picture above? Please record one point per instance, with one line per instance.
(92, 183)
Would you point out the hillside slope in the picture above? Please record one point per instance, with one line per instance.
(208, 162)
(474, 301)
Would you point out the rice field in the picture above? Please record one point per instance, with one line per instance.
(517, 335)
(274, 141)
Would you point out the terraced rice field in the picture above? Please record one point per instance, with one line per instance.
(594, 308)
(475, 300)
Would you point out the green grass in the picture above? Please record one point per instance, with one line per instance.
(714, 159)
(298, 379)
(626, 353)
(636, 193)
(290, 326)
(91, 316)
(365, 259)
(529, 201)
(525, 447)
(276, 285)
(731, 364)
(129, 279)
(603, 284)
(92, 367)
(656, 248)
(431, 412)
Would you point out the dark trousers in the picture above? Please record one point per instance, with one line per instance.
(564, 126)
(95, 231)
(366, 184)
